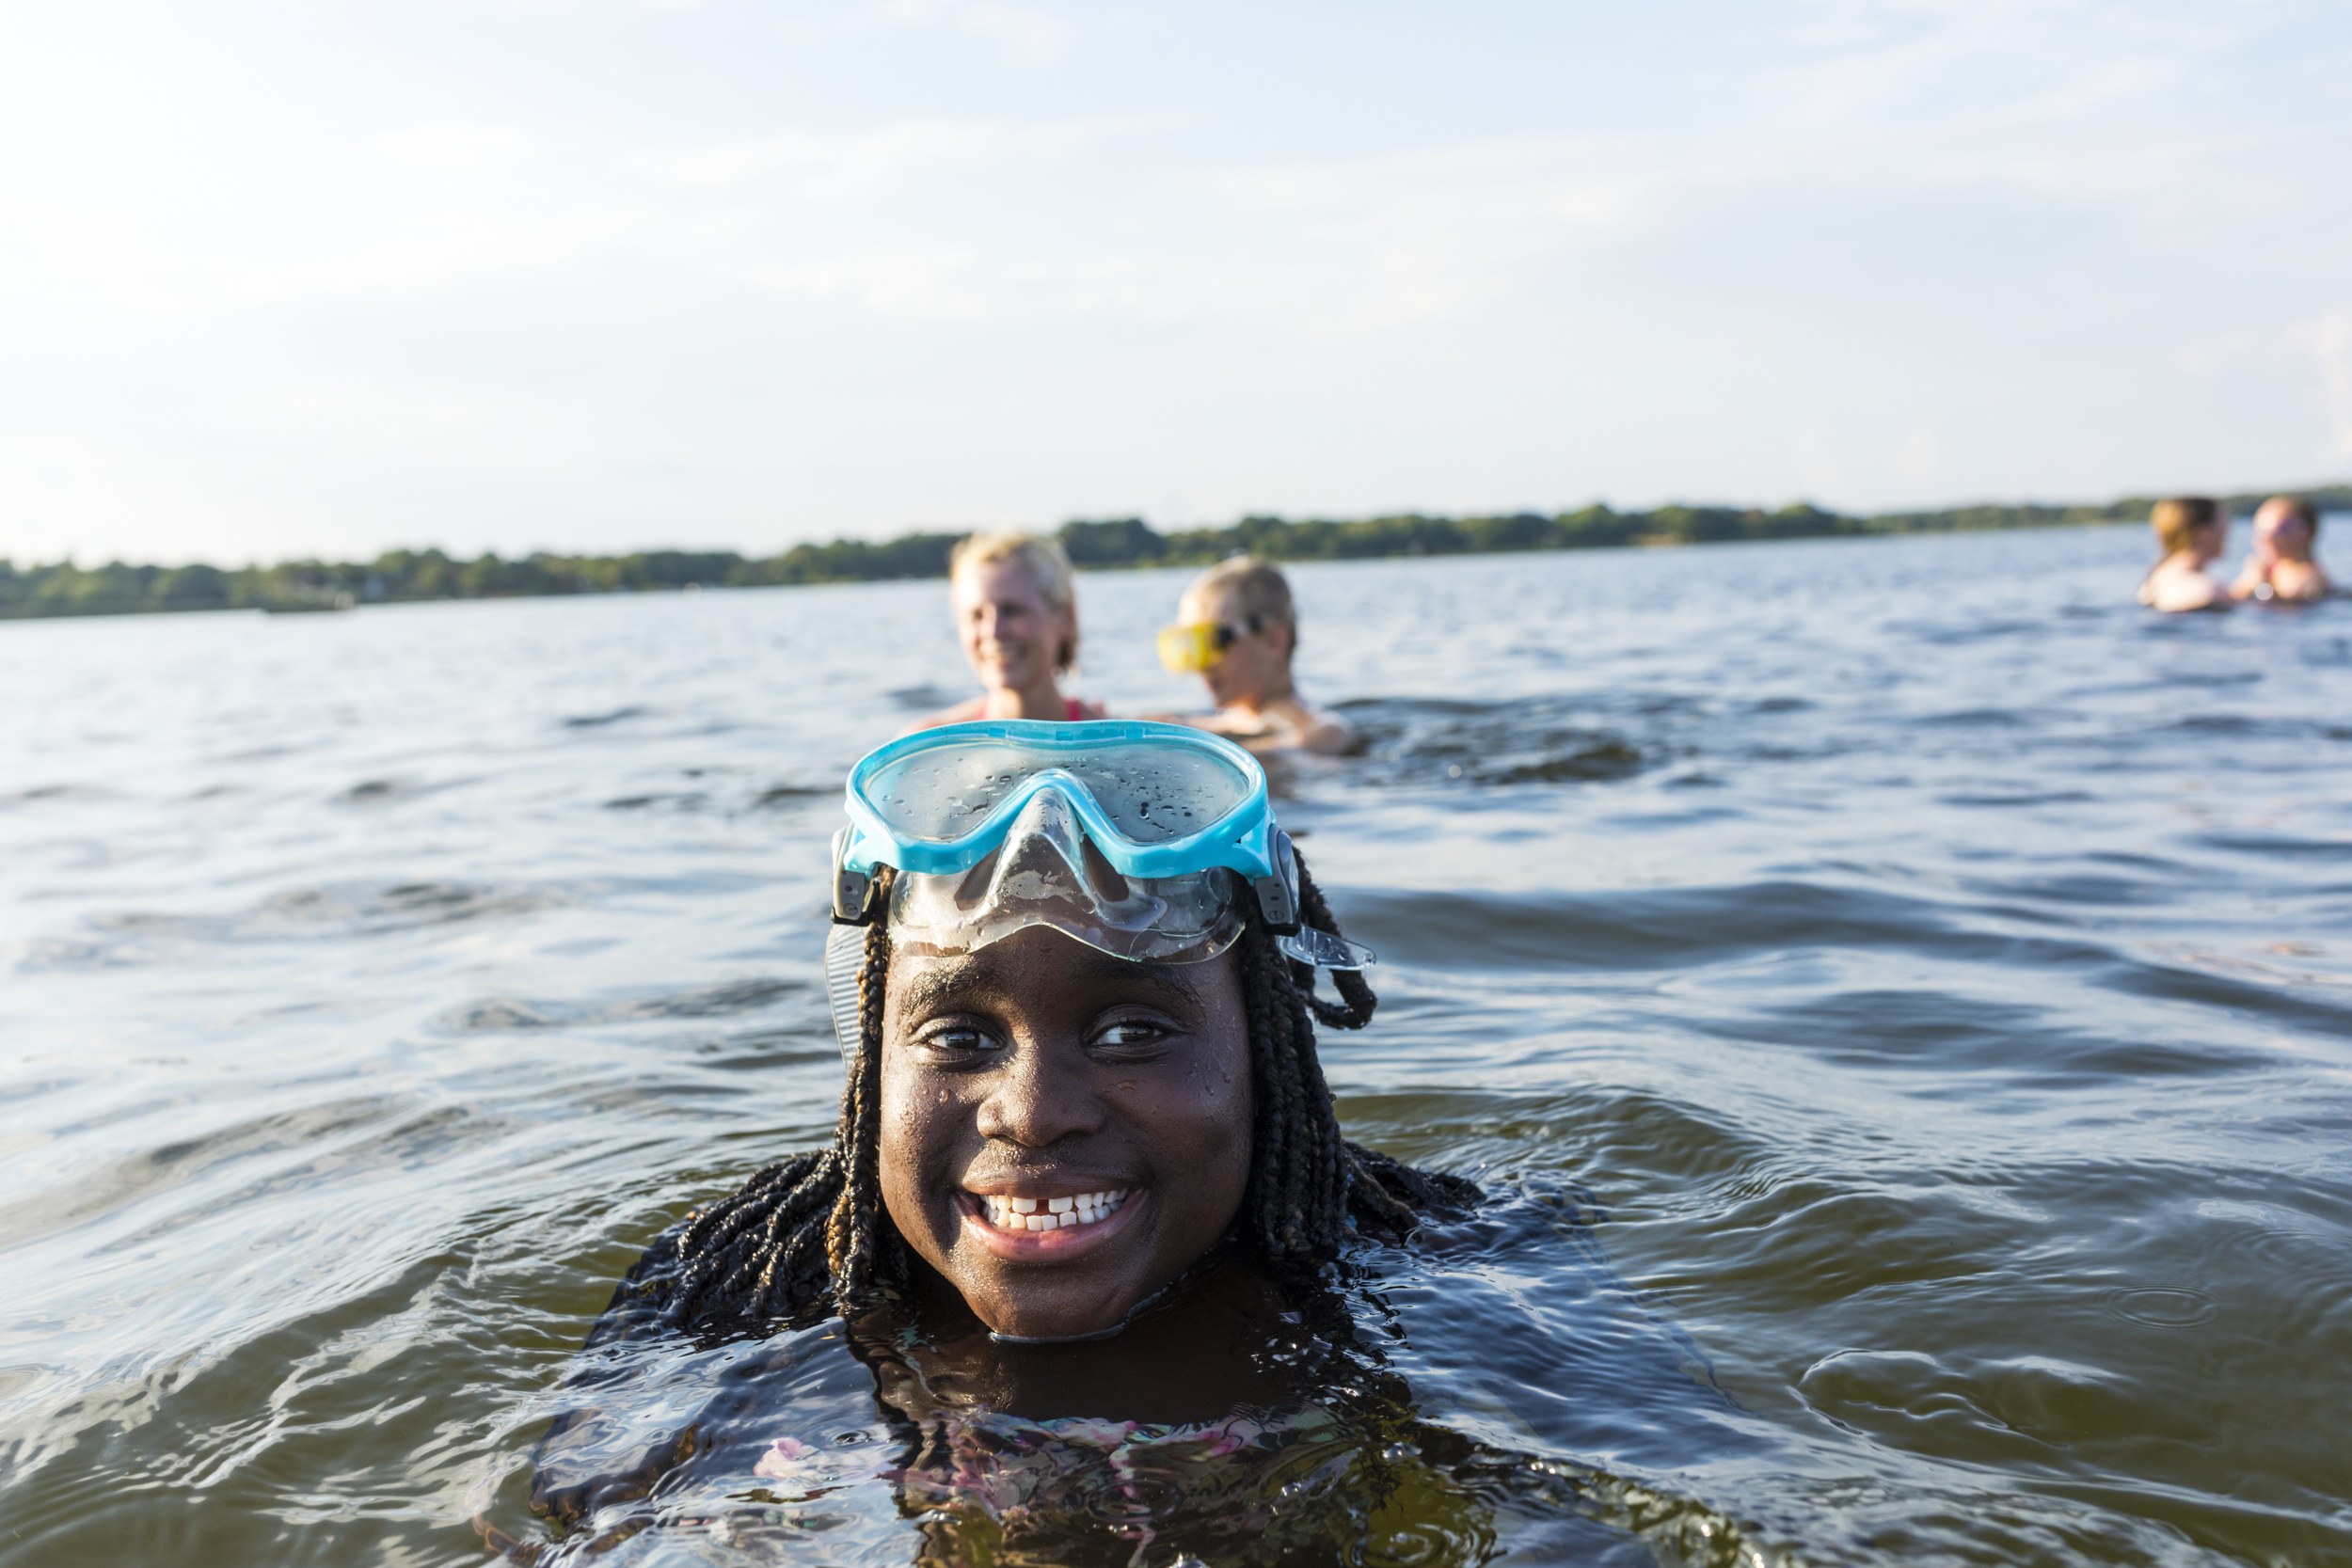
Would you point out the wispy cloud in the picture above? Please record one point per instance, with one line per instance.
(456, 148)
(838, 164)
(161, 266)
(1028, 33)
(2328, 337)
(1350, 246)
(2013, 61)
(907, 283)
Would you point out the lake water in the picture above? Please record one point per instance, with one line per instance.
(1898, 993)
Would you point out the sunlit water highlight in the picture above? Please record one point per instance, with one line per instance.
(1922, 972)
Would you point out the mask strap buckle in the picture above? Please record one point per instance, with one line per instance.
(1278, 904)
(852, 891)
(1278, 894)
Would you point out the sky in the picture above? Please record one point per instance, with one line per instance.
(327, 278)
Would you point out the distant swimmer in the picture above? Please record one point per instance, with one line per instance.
(1017, 616)
(2281, 567)
(2193, 529)
(1236, 629)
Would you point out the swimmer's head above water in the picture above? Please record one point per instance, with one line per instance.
(1074, 982)
(2192, 531)
(2286, 527)
(2190, 526)
(1016, 612)
(1237, 628)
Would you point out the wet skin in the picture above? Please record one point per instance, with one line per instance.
(1039, 1069)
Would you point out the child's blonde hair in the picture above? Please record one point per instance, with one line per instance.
(1047, 566)
(2177, 518)
(1257, 590)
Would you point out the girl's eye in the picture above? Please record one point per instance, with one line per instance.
(956, 1039)
(1129, 1035)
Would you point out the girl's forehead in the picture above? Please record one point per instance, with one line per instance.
(997, 580)
(1043, 969)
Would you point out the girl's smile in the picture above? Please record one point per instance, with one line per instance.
(1047, 1227)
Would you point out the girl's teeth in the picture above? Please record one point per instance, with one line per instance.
(1052, 1213)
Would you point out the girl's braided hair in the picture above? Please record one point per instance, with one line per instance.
(809, 1236)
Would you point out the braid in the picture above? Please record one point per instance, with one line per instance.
(1354, 1008)
(809, 1235)
(1308, 1186)
(857, 1210)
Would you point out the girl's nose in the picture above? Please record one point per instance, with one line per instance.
(1036, 1105)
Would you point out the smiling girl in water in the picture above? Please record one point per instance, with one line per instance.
(1016, 613)
(1088, 1185)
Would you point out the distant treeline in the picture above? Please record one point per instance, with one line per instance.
(403, 576)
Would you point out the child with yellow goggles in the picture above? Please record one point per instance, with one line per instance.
(1236, 629)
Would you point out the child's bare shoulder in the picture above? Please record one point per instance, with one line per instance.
(973, 708)
(2177, 590)
(1312, 728)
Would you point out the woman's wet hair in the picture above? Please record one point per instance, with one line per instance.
(1048, 566)
(809, 1236)
(2177, 518)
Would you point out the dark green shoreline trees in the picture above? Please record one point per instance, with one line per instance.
(401, 576)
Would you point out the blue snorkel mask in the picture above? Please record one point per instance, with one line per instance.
(1142, 840)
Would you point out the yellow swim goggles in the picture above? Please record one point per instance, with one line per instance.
(1189, 650)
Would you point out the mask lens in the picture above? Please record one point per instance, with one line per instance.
(1047, 873)
(1151, 794)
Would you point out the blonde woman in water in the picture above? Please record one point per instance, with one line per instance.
(1017, 617)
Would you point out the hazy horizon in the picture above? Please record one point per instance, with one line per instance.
(692, 548)
(593, 275)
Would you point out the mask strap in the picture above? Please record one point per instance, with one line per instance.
(845, 954)
(1322, 950)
